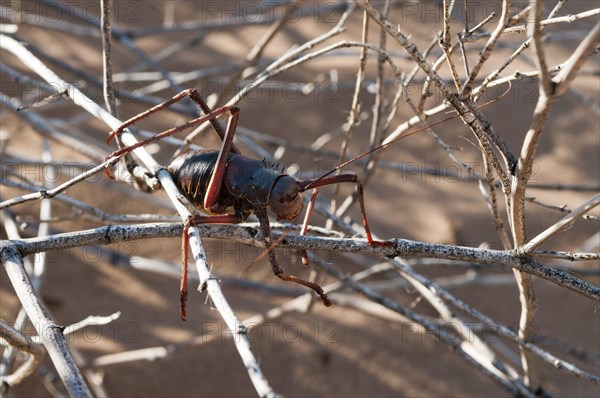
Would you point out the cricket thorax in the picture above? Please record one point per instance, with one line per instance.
(251, 179)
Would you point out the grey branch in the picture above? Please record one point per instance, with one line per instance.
(14, 338)
(51, 333)
(561, 225)
(249, 234)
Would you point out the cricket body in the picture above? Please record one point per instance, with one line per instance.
(248, 184)
(228, 187)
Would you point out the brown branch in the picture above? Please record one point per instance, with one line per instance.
(467, 111)
(488, 49)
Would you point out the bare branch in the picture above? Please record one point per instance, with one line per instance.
(17, 340)
(445, 43)
(564, 78)
(489, 47)
(550, 21)
(51, 333)
(81, 207)
(468, 112)
(561, 225)
(108, 90)
(534, 31)
(248, 234)
(49, 194)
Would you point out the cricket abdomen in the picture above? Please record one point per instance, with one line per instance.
(191, 173)
(247, 183)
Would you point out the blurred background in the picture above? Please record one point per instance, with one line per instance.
(299, 117)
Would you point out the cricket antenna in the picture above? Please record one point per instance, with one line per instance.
(382, 146)
(401, 136)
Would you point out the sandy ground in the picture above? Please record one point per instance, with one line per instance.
(335, 351)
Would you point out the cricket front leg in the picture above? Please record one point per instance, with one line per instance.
(277, 270)
(309, 209)
(353, 178)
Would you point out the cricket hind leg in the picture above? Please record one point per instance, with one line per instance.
(194, 95)
(277, 270)
(192, 123)
(185, 239)
(178, 97)
(218, 175)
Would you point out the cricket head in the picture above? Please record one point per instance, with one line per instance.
(285, 200)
